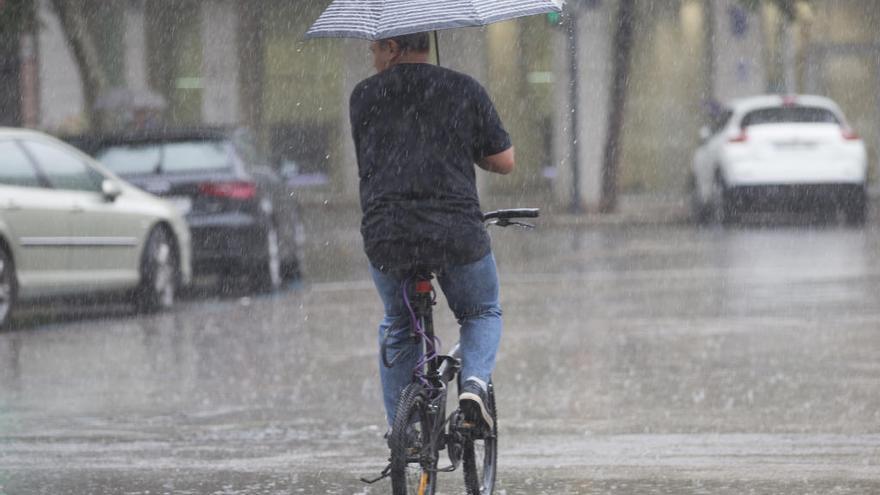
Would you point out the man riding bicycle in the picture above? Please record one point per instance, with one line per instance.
(418, 129)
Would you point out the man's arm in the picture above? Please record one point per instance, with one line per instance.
(500, 163)
(492, 140)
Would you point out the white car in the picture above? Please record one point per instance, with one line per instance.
(772, 152)
(68, 226)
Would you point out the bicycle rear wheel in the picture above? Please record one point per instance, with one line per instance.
(413, 463)
(480, 455)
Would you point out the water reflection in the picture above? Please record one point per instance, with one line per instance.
(620, 343)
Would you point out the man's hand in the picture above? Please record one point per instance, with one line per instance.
(500, 163)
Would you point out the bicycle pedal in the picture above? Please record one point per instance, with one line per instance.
(474, 430)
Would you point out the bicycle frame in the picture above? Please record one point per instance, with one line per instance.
(439, 369)
(428, 392)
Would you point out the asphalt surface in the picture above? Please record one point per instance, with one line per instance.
(636, 359)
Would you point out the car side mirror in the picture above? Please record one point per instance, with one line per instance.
(110, 190)
(705, 133)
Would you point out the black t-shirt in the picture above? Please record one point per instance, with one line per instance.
(418, 131)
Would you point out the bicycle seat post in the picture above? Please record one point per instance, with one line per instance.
(423, 300)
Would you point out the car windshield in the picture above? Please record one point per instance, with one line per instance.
(781, 115)
(172, 157)
(131, 159)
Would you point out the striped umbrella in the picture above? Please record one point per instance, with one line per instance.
(381, 19)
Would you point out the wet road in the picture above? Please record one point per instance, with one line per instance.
(635, 360)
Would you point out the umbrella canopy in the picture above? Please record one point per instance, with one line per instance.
(381, 19)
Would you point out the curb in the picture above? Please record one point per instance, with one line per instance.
(634, 210)
(614, 219)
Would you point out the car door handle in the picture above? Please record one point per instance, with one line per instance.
(11, 206)
(77, 209)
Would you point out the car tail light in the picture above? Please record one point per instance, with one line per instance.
(742, 137)
(849, 134)
(231, 190)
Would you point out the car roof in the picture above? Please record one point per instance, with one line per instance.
(161, 135)
(22, 132)
(744, 105)
(92, 143)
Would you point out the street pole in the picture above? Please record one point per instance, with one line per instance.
(709, 55)
(623, 43)
(574, 100)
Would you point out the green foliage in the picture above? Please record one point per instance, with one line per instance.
(16, 17)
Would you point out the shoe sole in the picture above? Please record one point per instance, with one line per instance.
(472, 407)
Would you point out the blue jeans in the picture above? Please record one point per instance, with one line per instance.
(472, 293)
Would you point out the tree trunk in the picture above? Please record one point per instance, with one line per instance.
(786, 56)
(10, 80)
(94, 78)
(623, 42)
(251, 49)
(16, 19)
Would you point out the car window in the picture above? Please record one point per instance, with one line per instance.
(16, 168)
(131, 159)
(64, 169)
(719, 121)
(170, 157)
(190, 156)
(780, 115)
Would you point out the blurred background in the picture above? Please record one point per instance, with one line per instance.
(72, 67)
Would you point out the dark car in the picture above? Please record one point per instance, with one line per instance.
(243, 217)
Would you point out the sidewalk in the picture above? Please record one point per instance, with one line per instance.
(632, 209)
(637, 209)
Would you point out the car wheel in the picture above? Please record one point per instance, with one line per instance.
(8, 287)
(158, 273)
(723, 206)
(268, 274)
(716, 201)
(701, 213)
(855, 209)
(291, 268)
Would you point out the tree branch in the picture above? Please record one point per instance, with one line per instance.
(94, 78)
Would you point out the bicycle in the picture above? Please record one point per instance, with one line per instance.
(421, 428)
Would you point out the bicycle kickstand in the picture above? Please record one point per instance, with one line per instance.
(384, 474)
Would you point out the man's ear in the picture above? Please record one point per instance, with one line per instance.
(394, 48)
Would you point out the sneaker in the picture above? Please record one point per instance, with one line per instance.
(474, 402)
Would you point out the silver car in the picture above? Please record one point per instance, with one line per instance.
(68, 226)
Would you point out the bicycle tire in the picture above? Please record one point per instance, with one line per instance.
(413, 469)
(480, 456)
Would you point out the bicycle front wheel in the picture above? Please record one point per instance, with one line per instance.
(480, 455)
(413, 454)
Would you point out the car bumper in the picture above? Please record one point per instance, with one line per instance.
(797, 196)
(227, 241)
(794, 172)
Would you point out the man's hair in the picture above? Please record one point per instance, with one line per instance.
(417, 42)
